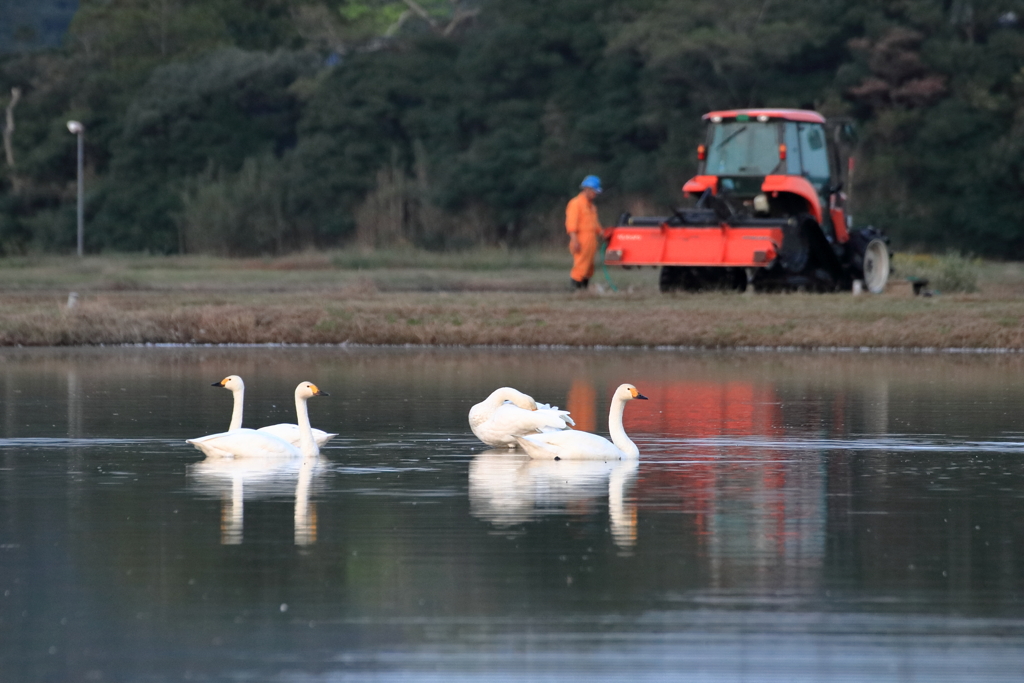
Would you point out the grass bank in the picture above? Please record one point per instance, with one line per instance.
(482, 297)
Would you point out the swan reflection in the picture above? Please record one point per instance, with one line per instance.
(235, 480)
(511, 488)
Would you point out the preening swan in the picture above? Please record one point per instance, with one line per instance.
(288, 432)
(508, 413)
(571, 445)
(253, 442)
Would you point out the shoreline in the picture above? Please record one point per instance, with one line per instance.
(139, 301)
(666, 348)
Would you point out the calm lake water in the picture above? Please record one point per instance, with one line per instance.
(793, 517)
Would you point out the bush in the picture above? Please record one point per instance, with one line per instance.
(951, 272)
(235, 213)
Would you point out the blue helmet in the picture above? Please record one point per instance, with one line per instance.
(593, 182)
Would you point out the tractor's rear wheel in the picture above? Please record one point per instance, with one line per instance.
(876, 266)
(795, 251)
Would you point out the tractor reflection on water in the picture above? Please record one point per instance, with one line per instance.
(757, 508)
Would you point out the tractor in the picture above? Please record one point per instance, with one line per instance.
(766, 211)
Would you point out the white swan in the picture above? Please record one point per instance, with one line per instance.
(508, 413)
(288, 432)
(572, 445)
(253, 442)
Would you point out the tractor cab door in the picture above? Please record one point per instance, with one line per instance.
(813, 157)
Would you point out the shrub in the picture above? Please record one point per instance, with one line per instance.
(951, 272)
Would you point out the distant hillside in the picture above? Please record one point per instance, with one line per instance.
(34, 24)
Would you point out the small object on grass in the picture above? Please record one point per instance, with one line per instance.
(72, 299)
(919, 284)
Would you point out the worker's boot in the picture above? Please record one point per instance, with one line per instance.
(578, 284)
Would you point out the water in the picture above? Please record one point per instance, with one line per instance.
(793, 517)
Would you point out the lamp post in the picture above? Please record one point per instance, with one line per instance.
(78, 129)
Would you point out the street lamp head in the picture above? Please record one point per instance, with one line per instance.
(76, 127)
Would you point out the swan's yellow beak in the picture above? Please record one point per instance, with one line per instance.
(316, 391)
(636, 394)
(220, 383)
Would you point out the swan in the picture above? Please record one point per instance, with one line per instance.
(288, 432)
(508, 413)
(572, 445)
(253, 442)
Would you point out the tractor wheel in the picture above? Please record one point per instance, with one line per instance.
(870, 258)
(876, 266)
(795, 252)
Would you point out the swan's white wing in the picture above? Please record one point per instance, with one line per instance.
(291, 433)
(569, 445)
(509, 421)
(562, 414)
(244, 443)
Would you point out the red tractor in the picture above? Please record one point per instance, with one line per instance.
(769, 212)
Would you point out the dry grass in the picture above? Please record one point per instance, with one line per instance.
(309, 299)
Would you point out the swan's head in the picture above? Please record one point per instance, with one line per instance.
(231, 382)
(627, 392)
(308, 390)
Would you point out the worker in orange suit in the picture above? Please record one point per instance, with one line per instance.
(584, 230)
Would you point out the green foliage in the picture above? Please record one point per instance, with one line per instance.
(234, 214)
(216, 111)
(265, 125)
(950, 272)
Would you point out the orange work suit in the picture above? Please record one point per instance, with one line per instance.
(581, 218)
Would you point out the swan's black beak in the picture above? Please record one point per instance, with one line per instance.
(218, 384)
(641, 396)
(320, 393)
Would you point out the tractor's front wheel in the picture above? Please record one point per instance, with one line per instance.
(871, 258)
(876, 266)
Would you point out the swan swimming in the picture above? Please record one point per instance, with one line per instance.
(573, 445)
(508, 413)
(288, 432)
(253, 442)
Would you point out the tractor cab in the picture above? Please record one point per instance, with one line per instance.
(744, 148)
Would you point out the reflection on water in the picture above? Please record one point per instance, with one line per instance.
(792, 517)
(508, 489)
(231, 480)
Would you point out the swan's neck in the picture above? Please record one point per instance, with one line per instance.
(482, 411)
(306, 442)
(616, 431)
(236, 412)
(499, 396)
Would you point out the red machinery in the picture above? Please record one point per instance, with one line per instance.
(769, 212)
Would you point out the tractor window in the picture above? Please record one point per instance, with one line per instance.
(814, 154)
(743, 148)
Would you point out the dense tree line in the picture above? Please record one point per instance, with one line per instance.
(261, 126)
